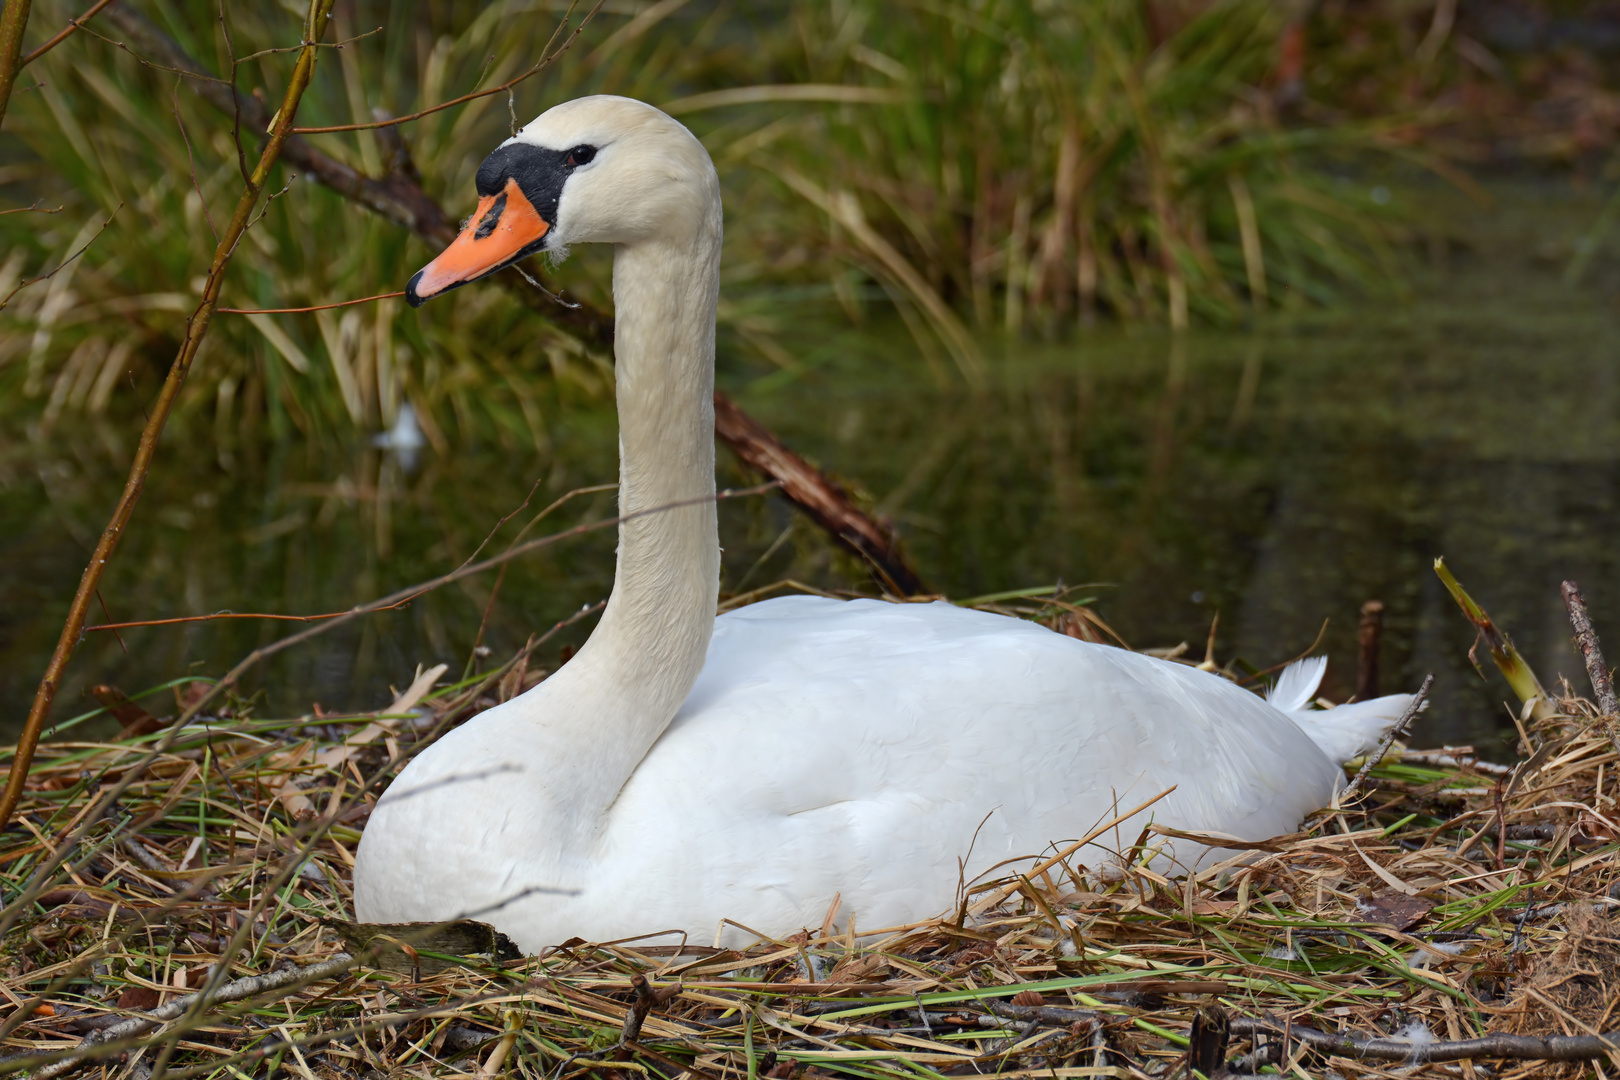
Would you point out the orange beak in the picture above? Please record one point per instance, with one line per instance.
(503, 229)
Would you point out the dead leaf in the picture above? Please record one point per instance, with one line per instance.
(131, 717)
(1392, 909)
(1594, 828)
(139, 999)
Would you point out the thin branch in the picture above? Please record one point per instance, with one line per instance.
(304, 44)
(219, 615)
(196, 328)
(1518, 1047)
(191, 160)
(559, 501)
(251, 986)
(316, 307)
(144, 62)
(35, 208)
(411, 592)
(1396, 732)
(546, 60)
(236, 96)
(46, 277)
(396, 197)
(62, 34)
(1597, 669)
(1586, 638)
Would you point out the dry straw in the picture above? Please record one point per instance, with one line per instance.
(185, 912)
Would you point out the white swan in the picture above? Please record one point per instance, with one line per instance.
(683, 769)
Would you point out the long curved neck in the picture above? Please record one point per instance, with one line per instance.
(605, 708)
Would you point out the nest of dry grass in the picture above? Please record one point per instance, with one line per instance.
(177, 905)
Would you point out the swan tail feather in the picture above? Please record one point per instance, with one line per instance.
(1348, 731)
(1297, 684)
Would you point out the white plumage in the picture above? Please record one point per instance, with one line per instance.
(682, 770)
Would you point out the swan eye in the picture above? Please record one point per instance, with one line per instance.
(581, 155)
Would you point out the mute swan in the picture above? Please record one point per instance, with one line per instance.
(683, 769)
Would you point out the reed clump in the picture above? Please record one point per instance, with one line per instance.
(1016, 167)
(1461, 909)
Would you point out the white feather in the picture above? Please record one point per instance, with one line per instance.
(682, 770)
(1297, 684)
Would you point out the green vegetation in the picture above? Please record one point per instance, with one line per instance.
(1005, 166)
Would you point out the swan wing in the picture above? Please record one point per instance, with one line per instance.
(863, 748)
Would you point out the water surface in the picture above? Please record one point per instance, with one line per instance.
(1278, 476)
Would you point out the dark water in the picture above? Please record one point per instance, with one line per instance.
(1278, 477)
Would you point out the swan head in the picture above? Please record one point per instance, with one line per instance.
(601, 169)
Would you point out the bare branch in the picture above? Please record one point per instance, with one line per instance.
(46, 277)
(62, 34)
(546, 60)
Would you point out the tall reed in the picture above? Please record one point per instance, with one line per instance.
(1010, 164)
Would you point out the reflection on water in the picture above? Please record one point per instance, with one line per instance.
(1277, 478)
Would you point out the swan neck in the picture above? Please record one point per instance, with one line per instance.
(603, 710)
(661, 611)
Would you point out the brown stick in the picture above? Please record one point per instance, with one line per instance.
(12, 24)
(396, 197)
(63, 34)
(399, 198)
(297, 978)
(1371, 636)
(540, 65)
(1519, 1047)
(1596, 668)
(826, 503)
(196, 327)
(1395, 732)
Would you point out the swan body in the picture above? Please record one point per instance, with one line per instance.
(722, 777)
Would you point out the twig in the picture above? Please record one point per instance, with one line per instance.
(270, 615)
(1396, 732)
(13, 22)
(1596, 668)
(62, 34)
(1520, 1047)
(300, 310)
(191, 160)
(546, 59)
(396, 197)
(196, 328)
(33, 208)
(825, 502)
(233, 991)
(401, 596)
(21, 285)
